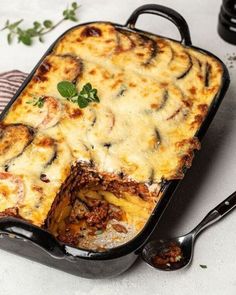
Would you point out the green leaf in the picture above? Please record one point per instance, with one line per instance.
(14, 25)
(89, 93)
(73, 18)
(65, 13)
(37, 25)
(31, 32)
(37, 101)
(48, 24)
(74, 5)
(67, 89)
(203, 265)
(25, 39)
(41, 39)
(9, 38)
(82, 102)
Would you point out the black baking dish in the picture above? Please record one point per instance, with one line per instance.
(32, 242)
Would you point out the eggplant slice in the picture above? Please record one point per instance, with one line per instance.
(53, 69)
(207, 74)
(181, 63)
(138, 48)
(41, 152)
(21, 135)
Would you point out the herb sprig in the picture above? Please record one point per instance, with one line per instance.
(203, 265)
(83, 98)
(37, 101)
(38, 29)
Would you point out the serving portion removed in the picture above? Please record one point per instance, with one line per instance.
(88, 163)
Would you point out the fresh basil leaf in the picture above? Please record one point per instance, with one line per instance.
(67, 89)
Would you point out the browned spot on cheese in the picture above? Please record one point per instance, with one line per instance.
(4, 191)
(154, 106)
(140, 54)
(75, 113)
(193, 143)
(17, 103)
(192, 90)
(109, 40)
(131, 84)
(92, 72)
(164, 84)
(198, 119)
(106, 75)
(183, 56)
(37, 188)
(203, 108)
(91, 31)
(188, 103)
(200, 76)
(46, 142)
(117, 82)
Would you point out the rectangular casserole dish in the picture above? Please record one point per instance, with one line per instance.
(40, 244)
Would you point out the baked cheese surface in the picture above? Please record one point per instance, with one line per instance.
(154, 94)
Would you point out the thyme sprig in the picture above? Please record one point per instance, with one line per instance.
(38, 29)
(37, 101)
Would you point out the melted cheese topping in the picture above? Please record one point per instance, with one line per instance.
(154, 94)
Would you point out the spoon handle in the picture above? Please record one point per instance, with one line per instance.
(217, 213)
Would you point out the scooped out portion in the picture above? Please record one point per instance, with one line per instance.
(99, 211)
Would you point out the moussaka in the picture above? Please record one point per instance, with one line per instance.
(91, 175)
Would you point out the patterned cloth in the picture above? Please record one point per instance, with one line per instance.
(9, 83)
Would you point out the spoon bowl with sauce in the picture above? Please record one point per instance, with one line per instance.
(177, 253)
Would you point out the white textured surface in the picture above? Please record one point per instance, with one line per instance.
(212, 177)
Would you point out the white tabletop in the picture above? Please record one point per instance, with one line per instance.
(211, 178)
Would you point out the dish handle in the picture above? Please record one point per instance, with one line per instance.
(17, 228)
(165, 12)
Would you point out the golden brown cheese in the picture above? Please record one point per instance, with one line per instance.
(154, 94)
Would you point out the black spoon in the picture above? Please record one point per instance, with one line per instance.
(177, 253)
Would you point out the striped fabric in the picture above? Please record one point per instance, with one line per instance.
(9, 83)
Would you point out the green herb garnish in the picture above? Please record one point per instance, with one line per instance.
(38, 30)
(87, 95)
(203, 265)
(37, 101)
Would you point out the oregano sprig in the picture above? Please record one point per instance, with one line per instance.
(37, 101)
(83, 97)
(38, 29)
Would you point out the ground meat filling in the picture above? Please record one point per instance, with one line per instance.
(90, 214)
(90, 217)
(116, 184)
